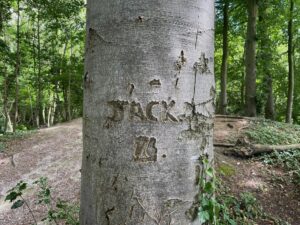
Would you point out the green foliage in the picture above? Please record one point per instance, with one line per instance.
(226, 169)
(207, 203)
(15, 193)
(217, 207)
(59, 211)
(51, 48)
(290, 160)
(271, 58)
(15, 136)
(242, 209)
(273, 133)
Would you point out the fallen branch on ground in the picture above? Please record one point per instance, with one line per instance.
(244, 148)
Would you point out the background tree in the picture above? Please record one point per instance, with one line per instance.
(250, 59)
(223, 95)
(291, 77)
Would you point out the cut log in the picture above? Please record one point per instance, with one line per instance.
(244, 148)
(258, 149)
(236, 117)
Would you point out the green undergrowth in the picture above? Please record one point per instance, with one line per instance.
(241, 209)
(273, 133)
(58, 210)
(268, 132)
(289, 160)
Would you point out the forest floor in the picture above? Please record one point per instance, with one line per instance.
(271, 185)
(55, 153)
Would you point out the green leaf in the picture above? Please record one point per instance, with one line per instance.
(210, 172)
(23, 186)
(12, 196)
(17, 204)
(47, 192)
(203, 216)
(209, 188)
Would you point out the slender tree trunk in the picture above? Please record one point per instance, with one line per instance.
(289, 110)
(223, 95)
(250, 59)
(69, 84)
(49, 113)
(242, 90)
(44, 114)
(266, 59)
(53, 112)
(7, 124)
(270, 105)
(65, 94)
(39, 68)
(17, 69)
(243, 80)
(145, 130)
(31, 107)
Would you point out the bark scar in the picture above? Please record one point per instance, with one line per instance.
(107, 212)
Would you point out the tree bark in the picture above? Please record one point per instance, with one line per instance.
(291, 84)
(39, 69)
(223, 94)
(69, 84)
(7, 123)
(148, 110)
(250, 60)
(17, 70)
(266, 59)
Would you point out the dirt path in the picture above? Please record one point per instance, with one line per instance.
(54, 153)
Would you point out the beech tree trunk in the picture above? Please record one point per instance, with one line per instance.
(289, 110)
(148, 110)
(223, 95)
(250, 59)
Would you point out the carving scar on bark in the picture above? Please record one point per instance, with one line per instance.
(145, 149)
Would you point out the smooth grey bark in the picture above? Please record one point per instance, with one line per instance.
(291, 77)
(250, 59)
(223, 94)
(148, 110)
(8, 128)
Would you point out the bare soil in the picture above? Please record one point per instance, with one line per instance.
(56, 153)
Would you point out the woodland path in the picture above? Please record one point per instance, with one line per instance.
(54, 153)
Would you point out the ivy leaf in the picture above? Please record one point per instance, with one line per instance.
(203, 216)
(209, 188)
(17, 204)
(210, 172)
